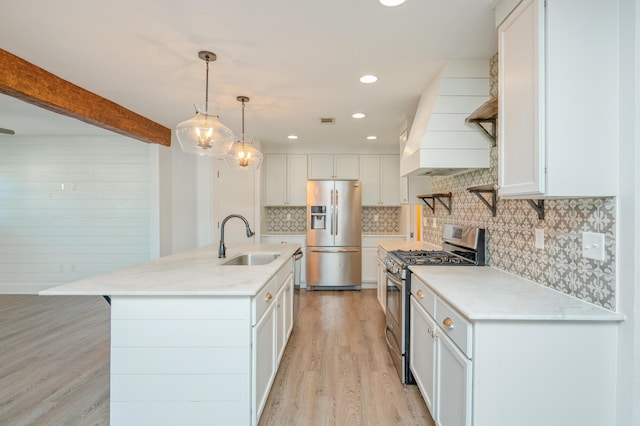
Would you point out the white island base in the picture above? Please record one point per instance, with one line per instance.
(194, 357)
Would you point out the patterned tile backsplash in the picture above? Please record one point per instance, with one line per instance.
(388, 220)
(511, 235)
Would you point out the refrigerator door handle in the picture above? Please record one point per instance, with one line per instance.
(333, 251)
(333, 210)
(336, 212)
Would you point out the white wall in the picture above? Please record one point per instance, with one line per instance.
(71, 207)
(628, 249)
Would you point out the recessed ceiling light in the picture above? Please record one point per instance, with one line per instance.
(292, 137)
(368, 79)
(392, 3)
(372, 138)
(359, 115)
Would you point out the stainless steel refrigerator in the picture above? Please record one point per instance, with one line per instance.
(334, 259)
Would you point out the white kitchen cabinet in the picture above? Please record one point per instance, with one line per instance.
(382, 279)
(264, 358)
(453, 385)
(422, 353)
(558, 99)
(524, 367)
(382, 285)
(380, 179)
(285, 180)
(284, 317)
(329, 166)
(369, 265)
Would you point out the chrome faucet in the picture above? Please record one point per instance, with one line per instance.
(222, 249)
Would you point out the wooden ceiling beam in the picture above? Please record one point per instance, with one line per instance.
(27, 82)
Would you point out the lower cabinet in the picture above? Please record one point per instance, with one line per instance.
(382, 279)
(503, 372)
(270, 336)
(264, 358)
(422, 353)
(442, 372)
(454, 383)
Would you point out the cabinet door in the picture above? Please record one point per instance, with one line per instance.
(320, 166)
(521, 86)
(453, 391)
(345, 166)
(389, 180)
(281, 308)
(382, 285)
(369, 264)
(297, 180)
(370, 179)
(263, 358)
(422, 353)
(288, 310)
(275, 179)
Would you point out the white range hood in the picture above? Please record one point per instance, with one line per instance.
(440, 141)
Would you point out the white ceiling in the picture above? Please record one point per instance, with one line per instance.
(298, 60)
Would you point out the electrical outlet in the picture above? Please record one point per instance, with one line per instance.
(375, 217)
(593, 245)
(540, 239)
(288, 216)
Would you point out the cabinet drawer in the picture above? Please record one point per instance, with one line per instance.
(283, 274)
(424, 296)
(455, 326)
(264, 299)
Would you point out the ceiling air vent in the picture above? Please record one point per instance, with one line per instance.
(327, 120)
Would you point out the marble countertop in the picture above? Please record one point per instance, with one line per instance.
(191, 273)
(485, 293)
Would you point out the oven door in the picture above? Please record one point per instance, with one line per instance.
(394, 334)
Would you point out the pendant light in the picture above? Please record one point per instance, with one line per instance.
(242, 155)
(205, 134)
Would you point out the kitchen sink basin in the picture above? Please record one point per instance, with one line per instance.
(252, 259)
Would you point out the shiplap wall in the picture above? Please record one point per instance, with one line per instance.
(71, 207)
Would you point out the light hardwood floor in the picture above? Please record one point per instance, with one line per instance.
(54, 364)
(336, 369)
(54, 360)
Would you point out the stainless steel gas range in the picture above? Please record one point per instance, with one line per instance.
(463, 246)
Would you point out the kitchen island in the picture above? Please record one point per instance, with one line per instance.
(194, 341)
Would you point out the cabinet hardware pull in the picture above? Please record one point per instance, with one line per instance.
(269, 297)
(420, 294)
(429, 331)
(448, 322)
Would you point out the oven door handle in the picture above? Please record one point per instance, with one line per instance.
(389, 345)
(396, 281)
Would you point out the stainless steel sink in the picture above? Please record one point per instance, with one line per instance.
(252, 259)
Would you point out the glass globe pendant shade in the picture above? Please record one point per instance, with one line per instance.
(243, 156)
(204, 134)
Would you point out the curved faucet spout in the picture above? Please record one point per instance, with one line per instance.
(222, 249)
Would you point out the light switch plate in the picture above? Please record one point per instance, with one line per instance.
(593, 245)
(540, 239)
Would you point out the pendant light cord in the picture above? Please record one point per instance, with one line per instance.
(206, 93)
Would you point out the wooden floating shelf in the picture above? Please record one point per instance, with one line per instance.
(439, 197)
(485, 118)
(480, 192)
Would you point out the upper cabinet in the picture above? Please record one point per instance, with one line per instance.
(328, 166)
(557, 98)
(380, 178)
(285, 180)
